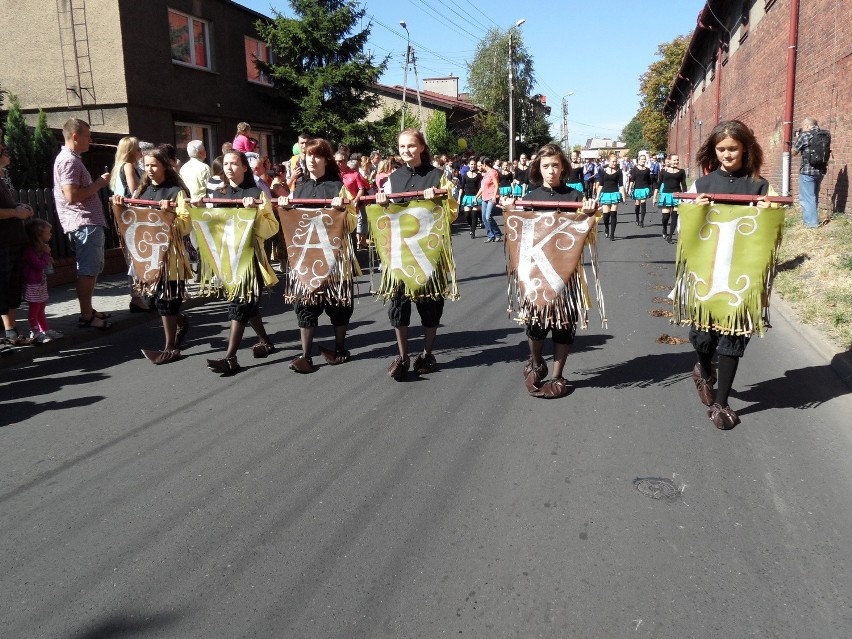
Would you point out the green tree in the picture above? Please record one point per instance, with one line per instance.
(632, 136)
(438, 136)
(19, 143)
(321, 72)
(44, 151)
(488, 136)
(488, 81)
(382, 134)
(654, 87)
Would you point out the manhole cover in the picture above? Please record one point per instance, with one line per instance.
(657, 488)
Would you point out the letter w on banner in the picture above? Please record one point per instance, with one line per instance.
(414, 246)
(146, 235)
(725, 267)
(547, 281)
(226, 246)
(321, 262)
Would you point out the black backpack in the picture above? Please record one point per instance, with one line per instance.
(819, 148)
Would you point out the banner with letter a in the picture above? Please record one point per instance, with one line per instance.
(152, 245)
(414, 246)
(547, 278)
(725, 267)
(226, 245)
(320, 258)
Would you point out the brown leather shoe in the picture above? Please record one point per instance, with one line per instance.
(703, 386)
(722, 418)
(553, 388)
(335, 357)
(224, 366)
(533, 376)
(425, 364)
(398, 368)
(262, 349)
(303, 365)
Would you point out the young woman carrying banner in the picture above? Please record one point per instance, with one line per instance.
(162, 183)
(550, 166)
(672, 179)
(324, 182)
(732, 157)
(417, 174)
(610, 193)
(245, 309)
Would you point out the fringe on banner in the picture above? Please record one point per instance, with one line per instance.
(571, 306)
(246, 289)
(174, 267)
(750, 317)
(338, 287)
(441, 284)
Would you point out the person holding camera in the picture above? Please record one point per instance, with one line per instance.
(814, 145)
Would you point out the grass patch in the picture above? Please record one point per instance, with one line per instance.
(815, 274)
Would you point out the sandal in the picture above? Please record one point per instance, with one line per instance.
(100, 315)
(262, 349)
(398, 368)
(303, 365)
(335, 357)
(182, 329)
(94, 322)
(553, 388)
(424, 364)
(224, 366)
(161, 357)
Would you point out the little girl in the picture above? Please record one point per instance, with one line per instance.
(35, 260)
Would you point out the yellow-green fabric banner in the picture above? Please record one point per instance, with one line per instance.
(415, 249)
(226, 245)
(725, 267)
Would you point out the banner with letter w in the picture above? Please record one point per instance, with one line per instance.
(226, 245)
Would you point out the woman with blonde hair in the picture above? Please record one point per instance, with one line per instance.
(124, 177)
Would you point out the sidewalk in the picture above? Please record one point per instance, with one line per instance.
(112, 295)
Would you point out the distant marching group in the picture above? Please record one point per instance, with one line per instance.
(322, 211)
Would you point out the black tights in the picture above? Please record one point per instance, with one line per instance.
(471, 216)
(666, 216)
(610, 225)
(641, 210)
(727, 371)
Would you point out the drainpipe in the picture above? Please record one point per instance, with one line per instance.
(790, 95)
(689, 119)
(719, 78)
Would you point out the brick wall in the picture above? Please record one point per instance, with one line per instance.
(752, 84)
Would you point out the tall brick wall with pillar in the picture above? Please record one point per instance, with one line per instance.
(753, 85)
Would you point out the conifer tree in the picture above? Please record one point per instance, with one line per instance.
(18, 140)
(44, 152)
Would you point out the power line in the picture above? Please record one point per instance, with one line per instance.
(430, 11)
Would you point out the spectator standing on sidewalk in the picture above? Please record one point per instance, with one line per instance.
(34, 265)
(195, 173)
(81, 215)
(814, 145)
(13, 240)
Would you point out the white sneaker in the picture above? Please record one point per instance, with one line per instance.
(40, 338)
(52, 334)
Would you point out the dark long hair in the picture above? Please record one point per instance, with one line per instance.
(172, 176)
(548, 151)
(426, 155)
(752, 153)
(322, 148)
(248, 178)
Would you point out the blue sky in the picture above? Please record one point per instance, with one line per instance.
(597, 50)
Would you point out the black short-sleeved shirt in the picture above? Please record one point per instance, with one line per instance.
(470, 184)
(575, 175)
(419, 178)
(673, 181)
(236, 193)
(11, 229)
(641, 177)
(505, 179)
(157, 192)
(325, 188)
(736, 183)
(522, 175)
(558, 194)
(611, 181)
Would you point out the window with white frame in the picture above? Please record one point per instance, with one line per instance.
(257, 50)
(190, 39)
(188, 131)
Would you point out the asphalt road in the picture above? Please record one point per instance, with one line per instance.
(142, 501)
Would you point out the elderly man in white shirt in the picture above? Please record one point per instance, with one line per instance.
(195, 172)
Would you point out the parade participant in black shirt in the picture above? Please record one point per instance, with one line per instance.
(469, 187)
(240, 185)
(550, 167)
(417, 174)
(642, 182)
(522, 176)
(322, 181)
(610, 193)
(574, 179)
(505, 178)
(672, 179)
(733, 156)
(161, 183)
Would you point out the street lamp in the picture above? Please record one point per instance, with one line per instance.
(511, 87)
(405, 75)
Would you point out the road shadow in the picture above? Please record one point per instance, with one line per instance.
(645, 371)
(14, 412)
(128, 625)
(800, 388)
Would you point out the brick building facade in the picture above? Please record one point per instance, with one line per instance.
(736, 68)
